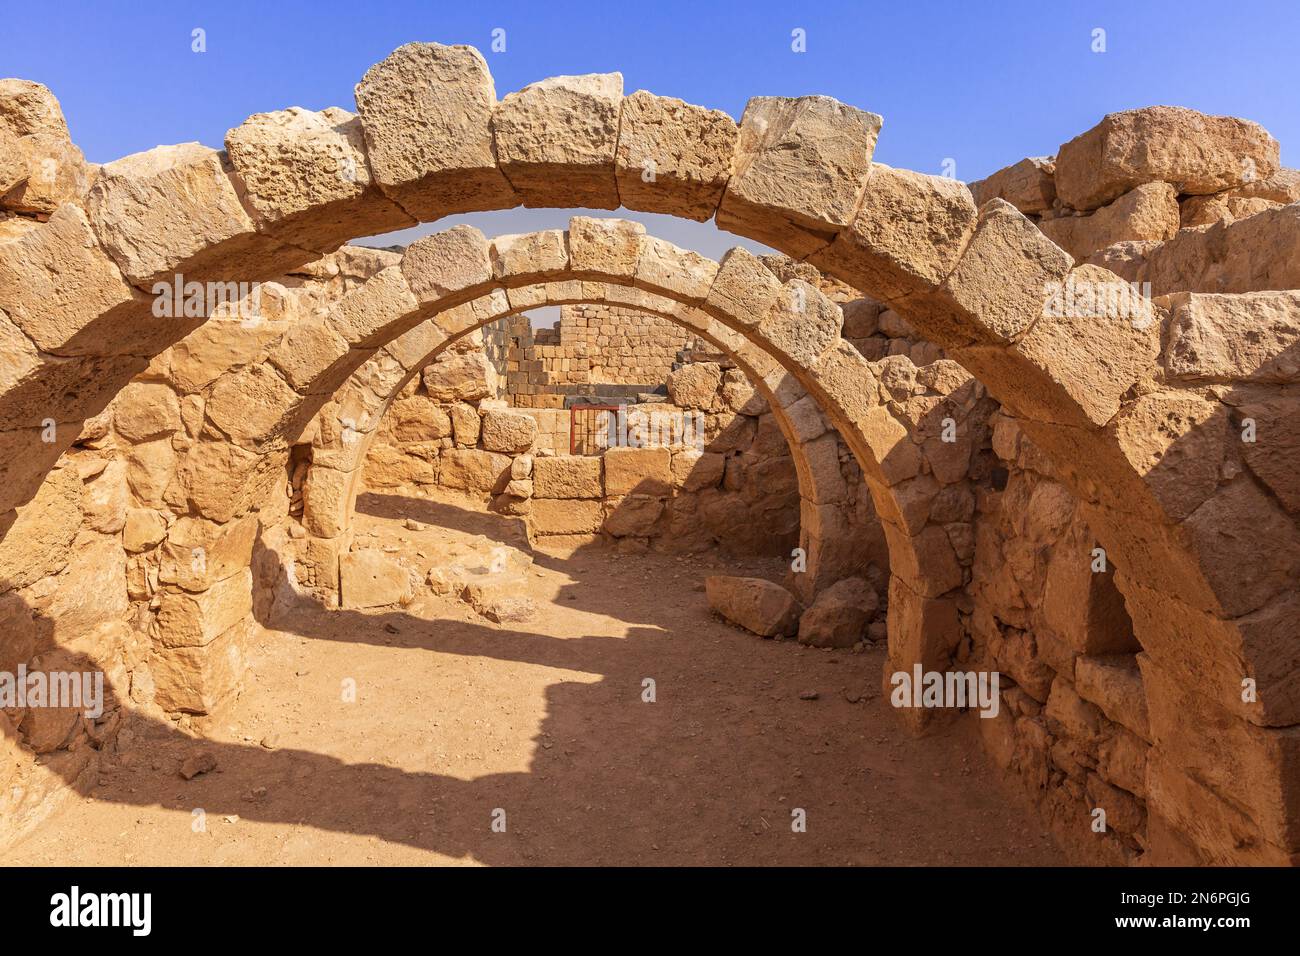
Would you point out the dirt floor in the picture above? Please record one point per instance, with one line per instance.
(460, 725)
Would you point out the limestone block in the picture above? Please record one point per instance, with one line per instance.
(672, 157)
(427, 112)
(1196, 153)
(174, 210)
(567, 476)
(760, 606)
(645, 471)
(1029, 185)
(566, 516)
(305, 177)
(906, 236)
(556, 140)
(799, 171)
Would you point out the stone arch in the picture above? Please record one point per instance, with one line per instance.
(330, 488)
(451, 283)
(432, 139)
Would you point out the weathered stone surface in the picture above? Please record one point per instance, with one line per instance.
(566, 516)
(143, 529)
(1147, 213)
(695, 385)
(197, 618)
(695, 470)
(312, 357)
(251, 405)
(1002, 280)
(197, 680)
(539, 255)
(802, 325)
(40, 172)
(757, 605)
(1249, 255)
(839, 615)
(604, 248)
(427, 111)
(567, 476)
(556, 140)
(146, 410)
(366, 314)
(371, 578)
(305, 177)
(28, 108)
(907, 235)
(39, 540)
(448, 267)
(672, 157)
(470, 469)
(59, 287)
(643, 471)
(1230, 338)
(1195, 152)
(198, 553)
(1115, 685)
(799, 171)
(174, 210)
(632, 515)
(508, 431)
(1274, 455)
(1029, 185)
(459, 377)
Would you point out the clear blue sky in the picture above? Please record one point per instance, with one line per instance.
(983, 84)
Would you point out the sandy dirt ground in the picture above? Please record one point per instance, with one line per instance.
(460, 725)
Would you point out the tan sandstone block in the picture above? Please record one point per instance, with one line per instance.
(250, 406)
(195, 619)
(1147, 213)
(799, 171)
(673, 158)
(174, 209)
(199, 553)
(645, 471)
(530, 257)
(448, 267)
(1196, 153)
(198, 680)
(604, 248)
(1243, 337)
(567, 476)
(1029, 185)
(305, 177)
(471, 469)
(59, 287)
(427, 111)
(801, 325)
(1094, 354)
(907, 235)
(999, 285)
(364, 315)
(687, 275)
(565, 516)
(508, 431)
(556, 139)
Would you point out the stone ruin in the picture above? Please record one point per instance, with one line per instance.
(948, 396)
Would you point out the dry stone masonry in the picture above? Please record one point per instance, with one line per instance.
(1091, 492)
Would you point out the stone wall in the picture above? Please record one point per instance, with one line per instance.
(594, 350)
(738, 492)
